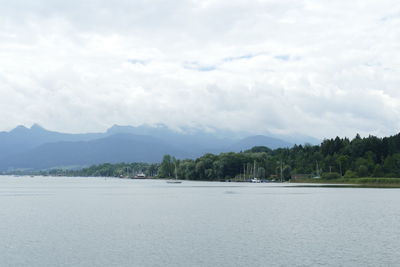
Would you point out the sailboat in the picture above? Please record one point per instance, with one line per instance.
(176, 181)
(255, 179)
(317, 172)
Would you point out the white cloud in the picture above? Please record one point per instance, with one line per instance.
(317, 67)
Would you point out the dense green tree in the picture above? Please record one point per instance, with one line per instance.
(350, 174)
(359, 157)
(378, 171)
(362, 171)
(167, 168)
(287, 172)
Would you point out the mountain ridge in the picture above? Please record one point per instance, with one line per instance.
(36, 147)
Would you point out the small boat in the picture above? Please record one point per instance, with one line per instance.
(140, 176)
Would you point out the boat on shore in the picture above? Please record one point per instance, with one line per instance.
(140, 176)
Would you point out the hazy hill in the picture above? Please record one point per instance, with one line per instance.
(22, 139)
(195, 143)
(113, 149)
(258, 140)
(37, 147)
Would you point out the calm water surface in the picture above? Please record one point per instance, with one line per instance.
(56, 221)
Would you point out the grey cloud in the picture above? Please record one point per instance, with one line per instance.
(137, 61)
(320, 68)
(199, 67)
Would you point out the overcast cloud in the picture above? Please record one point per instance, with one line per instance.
(317, 67)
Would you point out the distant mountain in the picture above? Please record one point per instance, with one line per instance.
(36, 147)
(299, 139)
(112, 149)
(258, 140)
(195, 143)
(22, 139)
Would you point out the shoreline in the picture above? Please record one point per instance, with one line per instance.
(362, 182)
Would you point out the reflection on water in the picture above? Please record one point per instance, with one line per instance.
(57, 221)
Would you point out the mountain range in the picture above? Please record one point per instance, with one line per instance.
(36, 148)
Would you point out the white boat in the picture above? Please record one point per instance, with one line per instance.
(140, 176)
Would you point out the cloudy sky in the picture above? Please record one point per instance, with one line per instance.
(317, 67)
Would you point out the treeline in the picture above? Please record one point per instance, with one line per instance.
(109, 170)
(333, 158)
(339, 157)
(120, 170)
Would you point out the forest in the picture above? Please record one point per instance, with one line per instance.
(334, 158)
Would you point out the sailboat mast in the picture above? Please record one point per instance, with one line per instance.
(176, 172)
(254, 171)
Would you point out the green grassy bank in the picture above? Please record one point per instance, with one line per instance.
(361, 182)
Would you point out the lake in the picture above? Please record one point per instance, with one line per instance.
(59, 221)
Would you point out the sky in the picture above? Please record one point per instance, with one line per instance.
(315, 67)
